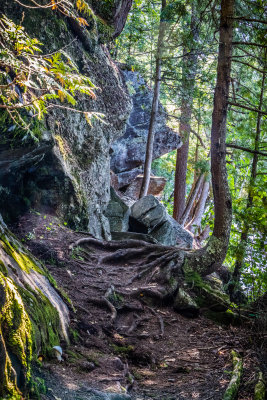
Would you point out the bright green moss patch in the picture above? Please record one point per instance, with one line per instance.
(122, 350)
(22, 259)
(16, 337)
(45, 320)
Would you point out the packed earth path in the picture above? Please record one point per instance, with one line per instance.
(122, 342)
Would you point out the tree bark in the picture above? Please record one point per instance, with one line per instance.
(195, 223)
(213, 254)
(191, 199)
(155, 104)
(241, 253)
(188, 83)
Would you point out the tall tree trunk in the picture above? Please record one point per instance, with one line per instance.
(246, 225)
(155, 105)
(188, 84)
(212, 255)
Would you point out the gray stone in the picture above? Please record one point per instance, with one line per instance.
(117, 213)
(126, 177)
(171, 233)
(97, 395)
(152, 215)
(129, 150)
(185, 304)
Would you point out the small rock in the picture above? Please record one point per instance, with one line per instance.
(118, 364)
(87, 366)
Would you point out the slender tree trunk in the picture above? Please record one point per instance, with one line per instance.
(191, 199)
(155, 104)
(209, 258)
(195, 223)
(246, 226)
(188, 84)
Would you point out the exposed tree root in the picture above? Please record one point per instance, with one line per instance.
(136, 322)
(233, 386)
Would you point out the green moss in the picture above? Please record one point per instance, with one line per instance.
(16, 331)
(260, 391)
(232, 389)
(122, 350)
(225, 318)
(74, 335)
(25, 262)
(206, 296)
(3, 268)
(73, 356)
(37, 389)
(45, 320)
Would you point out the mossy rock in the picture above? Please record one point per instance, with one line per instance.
(33, 317)
(227, 317)
(205, 295)
(185, 304)
(15, 341)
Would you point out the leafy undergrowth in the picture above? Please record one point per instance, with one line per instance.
(146, 349)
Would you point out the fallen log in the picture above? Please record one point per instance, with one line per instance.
(232, 389)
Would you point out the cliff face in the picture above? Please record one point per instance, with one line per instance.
(67, 172)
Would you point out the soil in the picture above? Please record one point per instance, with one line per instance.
(147, 349)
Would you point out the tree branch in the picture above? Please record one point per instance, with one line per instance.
(249, 20)
(250, 44)
(247, 108)
(249, 65)
(235, 146)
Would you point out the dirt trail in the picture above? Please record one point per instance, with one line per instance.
(149, 351)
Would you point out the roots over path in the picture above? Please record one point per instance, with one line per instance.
(126, 336)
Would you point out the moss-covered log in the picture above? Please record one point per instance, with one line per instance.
(233, 386)
(33, 317)
(260, 390)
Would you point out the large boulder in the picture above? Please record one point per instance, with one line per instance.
(117, 213)
(148, 215)
(67, 172)
(129, 150)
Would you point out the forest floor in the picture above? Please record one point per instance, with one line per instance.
(150, 351)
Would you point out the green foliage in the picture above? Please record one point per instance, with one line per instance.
(136, 47)
(31, 83)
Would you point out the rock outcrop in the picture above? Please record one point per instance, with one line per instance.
(129, 150)
(67, 172)
(117, 213)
